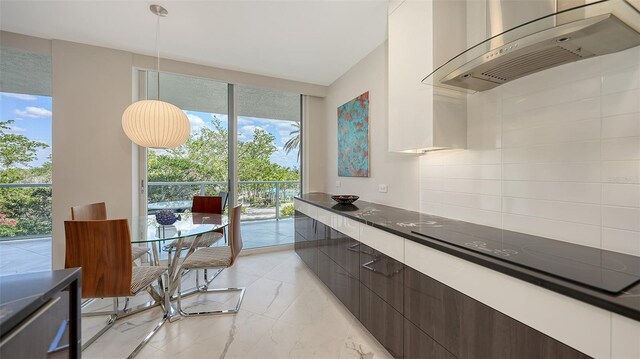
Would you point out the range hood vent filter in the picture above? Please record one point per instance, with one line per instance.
(531, 62)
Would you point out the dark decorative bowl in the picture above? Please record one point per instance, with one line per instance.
(166, 217)
(345, 207)
(345, 198)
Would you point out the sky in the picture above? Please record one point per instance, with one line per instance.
(32, 118)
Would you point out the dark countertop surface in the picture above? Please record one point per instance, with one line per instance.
(607, 268)
(22, 294)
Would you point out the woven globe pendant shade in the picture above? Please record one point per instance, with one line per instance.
(155, 124)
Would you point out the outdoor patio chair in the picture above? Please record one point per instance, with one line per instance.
(201, 204)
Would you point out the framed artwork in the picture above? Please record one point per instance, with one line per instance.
(353, 137)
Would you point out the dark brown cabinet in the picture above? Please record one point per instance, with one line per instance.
(382, 321)
(338, 266)
(383, 275)
(305, 240)
(41, 315)
(470, 329)
(343, 285)
(343, 250)
(418, 345)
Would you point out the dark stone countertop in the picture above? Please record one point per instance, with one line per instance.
(22, 294)
(402, 222)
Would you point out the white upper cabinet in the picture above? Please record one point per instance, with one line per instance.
(422, 117)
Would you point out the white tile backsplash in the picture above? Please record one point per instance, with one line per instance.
(621, 171)
(626, 195)
(555, 154)
(621, 103)
(621, 126)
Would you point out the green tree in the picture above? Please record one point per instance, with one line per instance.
(23, 211)
(293, 143)
(205, 157)
(16, 149)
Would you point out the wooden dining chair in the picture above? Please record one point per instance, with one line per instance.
(102, 248)
(202, 204)
(215, 258)
(98, 211)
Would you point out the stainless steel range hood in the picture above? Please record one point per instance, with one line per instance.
(571, 35)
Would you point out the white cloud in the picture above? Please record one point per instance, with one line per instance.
(19, 96)
(247, 131)
(287, 160)
(283, 125)
(196, 123)
(33, 112)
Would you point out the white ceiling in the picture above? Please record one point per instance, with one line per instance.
(310, 41)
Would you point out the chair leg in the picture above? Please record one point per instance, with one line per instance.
(110, 322)
(213, 290)
(157, 327)
(207, 281)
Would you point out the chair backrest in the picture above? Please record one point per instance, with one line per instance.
(87, 212)
(207, 204)
(102, 248)
(225, 197)
(235, 237)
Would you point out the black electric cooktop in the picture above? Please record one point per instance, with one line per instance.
(606, 271)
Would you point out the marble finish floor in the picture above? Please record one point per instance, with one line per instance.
(286, 313)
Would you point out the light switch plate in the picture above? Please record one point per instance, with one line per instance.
(338, 184)
(383, 188)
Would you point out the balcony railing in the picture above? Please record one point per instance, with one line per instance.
(25, 208)
(260, 199)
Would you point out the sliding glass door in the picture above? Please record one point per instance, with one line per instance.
(268, 163)
(200, 166)
(243, 140)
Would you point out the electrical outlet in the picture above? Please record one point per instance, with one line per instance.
(383, 188)
(338, 184)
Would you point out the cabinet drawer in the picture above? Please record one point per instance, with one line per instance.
(418, 345)
(383, 275)
(343, 250)
(382, 321)
(45, 334)
(387, 243)
(344, 286)
(470, 329)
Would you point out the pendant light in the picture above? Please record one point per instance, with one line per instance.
(155, 123)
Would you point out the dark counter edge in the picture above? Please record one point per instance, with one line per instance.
(598, 299)
(69, 275)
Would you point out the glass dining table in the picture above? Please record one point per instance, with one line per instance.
(145, 230)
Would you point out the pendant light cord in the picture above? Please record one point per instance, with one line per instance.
(158, 53)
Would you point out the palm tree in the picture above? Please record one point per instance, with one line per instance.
(293, 142)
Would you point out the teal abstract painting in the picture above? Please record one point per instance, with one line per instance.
(353, 137)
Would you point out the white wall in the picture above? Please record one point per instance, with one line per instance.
(398, 171)
(555, 154)
(91, 154)
(314, 144)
